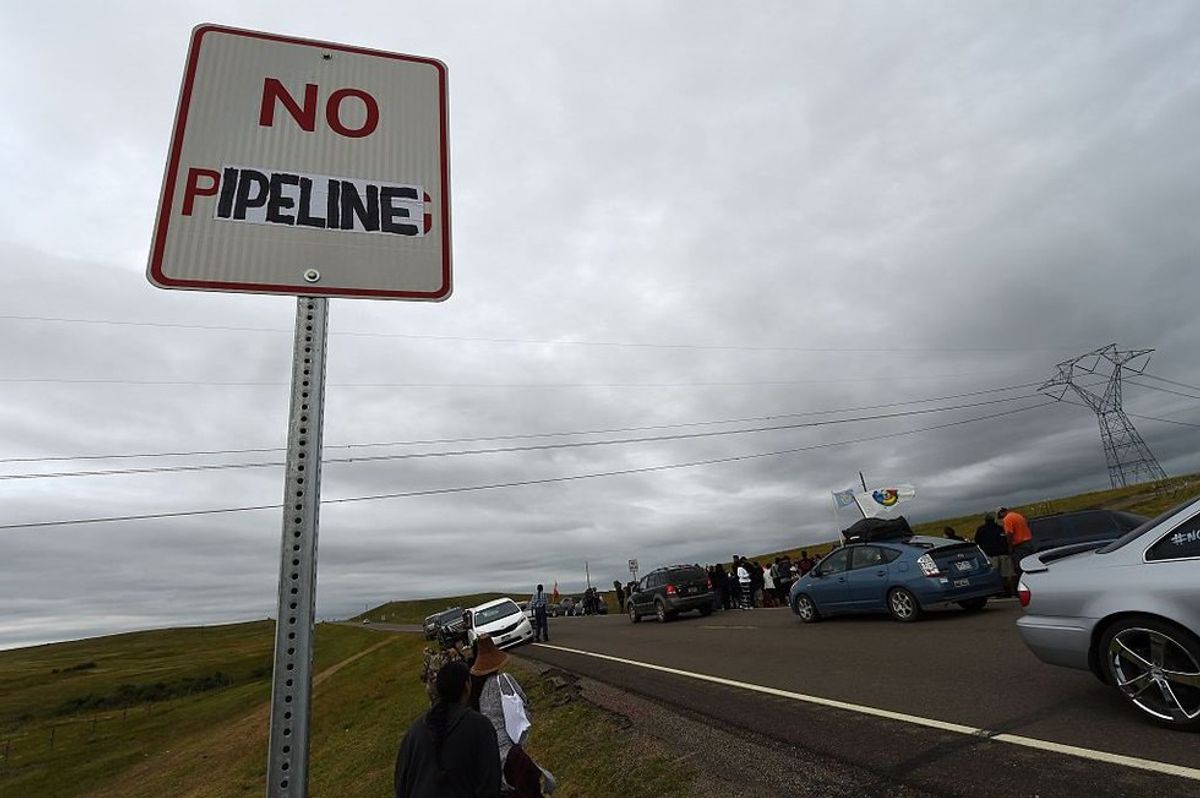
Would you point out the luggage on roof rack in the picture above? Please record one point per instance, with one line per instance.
(869, 529)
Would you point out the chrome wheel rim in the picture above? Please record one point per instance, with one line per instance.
(804, 608)
(661, 612)
(632, 613)
(902, 604)
(1156, 673)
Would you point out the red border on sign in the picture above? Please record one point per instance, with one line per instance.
(158, 246)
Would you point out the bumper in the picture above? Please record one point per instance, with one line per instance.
(686, 603)
(1058, 641)
(522, 634)
(944, 590)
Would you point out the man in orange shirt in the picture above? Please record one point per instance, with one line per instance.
(1020, 539)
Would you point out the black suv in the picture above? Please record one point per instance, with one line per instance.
(666, 592)
(434, 623)
(1082, 526)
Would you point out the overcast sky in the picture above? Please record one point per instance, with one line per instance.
(664, 213)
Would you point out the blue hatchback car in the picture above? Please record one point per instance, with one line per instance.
(901, 577)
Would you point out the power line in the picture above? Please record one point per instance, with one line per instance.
(1166, 420)
(1171, 382)
(523, 483)
(533, 341)
(1160, 388)
(438, 441)
(486, 385)
(504, 449)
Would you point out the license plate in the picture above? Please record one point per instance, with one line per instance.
(961, 582)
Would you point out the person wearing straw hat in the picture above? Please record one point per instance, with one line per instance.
(500, 699)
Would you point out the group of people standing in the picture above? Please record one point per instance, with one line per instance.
(1005, 544)
(471, 742)
(748, 583)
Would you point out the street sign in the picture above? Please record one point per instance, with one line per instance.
(314, 169)
(307, 168)
(633, 565)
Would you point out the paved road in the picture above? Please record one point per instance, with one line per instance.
(954, 667)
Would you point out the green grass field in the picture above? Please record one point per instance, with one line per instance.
(211, 742)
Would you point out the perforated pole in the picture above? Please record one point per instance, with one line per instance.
(291, 690)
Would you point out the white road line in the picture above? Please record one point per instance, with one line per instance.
(958, 728)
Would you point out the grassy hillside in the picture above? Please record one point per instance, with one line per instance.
(417, 610)
(1149, 500)
(144, 715)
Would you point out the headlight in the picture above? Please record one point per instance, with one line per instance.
(928, 566)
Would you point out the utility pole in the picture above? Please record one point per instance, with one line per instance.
(587, 572)
(1129, 458)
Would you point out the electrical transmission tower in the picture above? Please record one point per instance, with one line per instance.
(1129, 458)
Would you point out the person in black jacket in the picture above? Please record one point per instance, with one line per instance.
(990, 537)
(450, 751)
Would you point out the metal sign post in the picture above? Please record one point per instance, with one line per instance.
(291, 692)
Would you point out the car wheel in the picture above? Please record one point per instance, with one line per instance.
(1156, 667)
(633, 616)
(660, 610)
(903, 605)
(973, 605)
(806, 609)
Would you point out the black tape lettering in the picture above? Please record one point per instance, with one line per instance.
(332, 204)
(249, 179)
(353, 207)
(229, 181)
(279, 201)
(303, 216)
(389, 213)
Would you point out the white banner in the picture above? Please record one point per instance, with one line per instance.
(880, 501)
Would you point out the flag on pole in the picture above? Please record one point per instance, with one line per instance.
(843, 498)
(880, 501)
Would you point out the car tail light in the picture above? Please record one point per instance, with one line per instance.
(670, 590)
(1023, 594)
(928, 566)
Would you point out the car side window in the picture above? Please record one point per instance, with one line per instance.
(835, 563)
(889, 555)
(865, 557)
(1182, 542)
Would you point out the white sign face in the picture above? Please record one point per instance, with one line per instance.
(302, 167)
(633, 565)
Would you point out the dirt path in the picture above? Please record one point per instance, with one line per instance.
(194, 766)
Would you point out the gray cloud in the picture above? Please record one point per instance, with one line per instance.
(945, 180)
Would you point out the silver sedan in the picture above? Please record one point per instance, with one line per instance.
(1128, 611)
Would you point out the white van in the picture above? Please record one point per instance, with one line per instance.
(502, 620)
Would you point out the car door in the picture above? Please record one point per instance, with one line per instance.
(827, 588)
(867, 578)
(641, 599)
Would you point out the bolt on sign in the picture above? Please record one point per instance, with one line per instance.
(307, 168)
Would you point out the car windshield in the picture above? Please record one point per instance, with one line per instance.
(1137, 532)
(449, 615)
(490, 614)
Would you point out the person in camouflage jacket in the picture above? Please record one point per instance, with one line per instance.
(433, 661)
